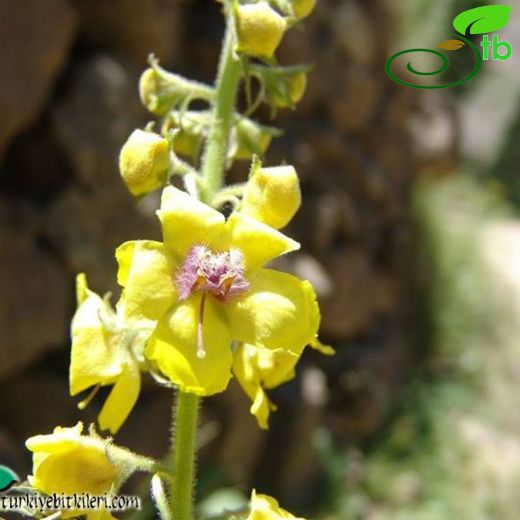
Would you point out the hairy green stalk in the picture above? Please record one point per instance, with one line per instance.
(213, 167)
(214, 158)
(185, 434)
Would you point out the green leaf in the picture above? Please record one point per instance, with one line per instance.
(481, 20)
(7, 478)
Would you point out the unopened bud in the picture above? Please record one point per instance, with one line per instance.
(144, 162)
(162, 91)
(152, 92)
(259, 29)
(303, 8)
(252, 138)
(289, 90)
(191, 128)
(272, 195)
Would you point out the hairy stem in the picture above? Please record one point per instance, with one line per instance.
(185, 434)
(214, 158)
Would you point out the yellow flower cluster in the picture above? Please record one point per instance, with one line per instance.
(189, 299)
(202, 305)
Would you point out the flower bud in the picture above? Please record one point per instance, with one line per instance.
(71, 462)
(252, 138)
(190, 130)
(144, 162)
(151, 92)
(290, 90)
(272, 195)
(161, 91)
(264, 507)
(259, 29)
(303, 8)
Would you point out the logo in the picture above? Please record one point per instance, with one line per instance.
(8, 478)
(477, 21)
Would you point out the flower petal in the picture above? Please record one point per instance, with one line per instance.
(93, 358)
(187, 222)
(264, 507)
(147, 273)
(275, 366)
(258, 242)
(278, 311)
(84, 468)
(326, 350)
(246, 369)
(173, 347)
(61, 439)
(122, 399)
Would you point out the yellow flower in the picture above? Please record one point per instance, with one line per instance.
(259, 29)
(264, 507)
(272, 195)
(258, 368)
(68, 462)
(144, 162)
(207, 287)
(106, 350)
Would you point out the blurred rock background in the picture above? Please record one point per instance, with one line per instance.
(68, 100)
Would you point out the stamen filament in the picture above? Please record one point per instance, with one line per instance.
(201, 353)
(83, 404)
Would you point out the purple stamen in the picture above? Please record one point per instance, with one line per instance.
(219, 274)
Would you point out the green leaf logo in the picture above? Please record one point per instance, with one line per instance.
(7, 478)
(481, 20)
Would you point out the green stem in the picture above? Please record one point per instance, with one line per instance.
(214, 159)
(184, 440)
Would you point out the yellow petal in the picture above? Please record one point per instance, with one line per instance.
(144, 162)
(303, 8)
(272, 195)
(247, 370)
(67, 462)
(326, 350)
(261, 408)
(82, 469)
(258, 242)
(93, 356)
(147, 273)
(81, 288)
(187, 222)
(259, 29)
(278, 311)
(276, 366)
(264, 507)
(122, 399)
(173, 347)
(61, 439)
